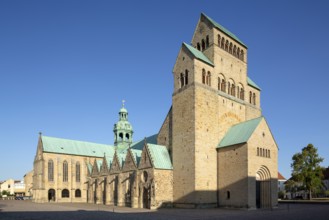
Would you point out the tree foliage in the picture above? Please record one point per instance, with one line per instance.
(306, 168)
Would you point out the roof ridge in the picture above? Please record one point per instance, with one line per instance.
(198, 54)
(225, 30)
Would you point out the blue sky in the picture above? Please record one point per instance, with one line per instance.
(66, 65)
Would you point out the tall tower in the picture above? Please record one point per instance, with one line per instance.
(210, 95)
(123, 131)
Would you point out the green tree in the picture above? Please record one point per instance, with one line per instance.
(306, 168)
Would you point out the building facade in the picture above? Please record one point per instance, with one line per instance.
(214, 148)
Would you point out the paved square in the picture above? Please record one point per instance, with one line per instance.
(27, 210)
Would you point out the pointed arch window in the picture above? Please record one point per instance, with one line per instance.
(50, 170)
(218, 40)
(250, 97)
(234, 50)
(198, 46)
(77, 172)
(65, 171)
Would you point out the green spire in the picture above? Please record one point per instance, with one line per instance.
(123, 131)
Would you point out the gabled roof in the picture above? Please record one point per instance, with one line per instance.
(122, 158)
(220, 27)
(136, 154)
(280, 177)
(140, 144)
(252, 84)
(198, 54)
(239, 133)
(65, 146)
(159, 156)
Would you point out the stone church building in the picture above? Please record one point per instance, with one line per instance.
(214, 148)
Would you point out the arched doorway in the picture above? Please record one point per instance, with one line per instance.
(263, 188)
(146, 198)
(51, 195)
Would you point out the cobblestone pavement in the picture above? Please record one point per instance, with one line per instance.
(27, 210)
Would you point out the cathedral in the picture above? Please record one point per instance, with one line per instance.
(214, 148)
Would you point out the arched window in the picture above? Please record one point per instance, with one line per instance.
(238, 53)
(233, 89)
(222, 43)
(218, 83)
(120, 136)
(226, 45)
(254, 99)
(238, 92)
(218, 40)
(250, 97)
(203, 45)
(77, 193)
(234, 50)
(65, 171)
(127, 137)
(203, 76)
(266, 153)
(261, 152)
(223, 86)
(77, 172)
(50, 170)
(207, 41)
(242, 55)
(186, 77)
(198, 46)
(229, 88)
(209, 79)
(231, 48)
(242, 94)
(257, 151)
(181, 79)
(65, 193)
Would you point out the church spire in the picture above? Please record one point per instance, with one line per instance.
(123, 130)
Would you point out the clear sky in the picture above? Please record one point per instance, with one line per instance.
(66, 65)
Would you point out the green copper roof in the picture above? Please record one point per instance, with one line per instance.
(239, 133)
(65, 146)
(220, 27)
(160, 157)
(198, 54)
(252, 84)
(137, 154)
(122, 158)
(140, 144)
